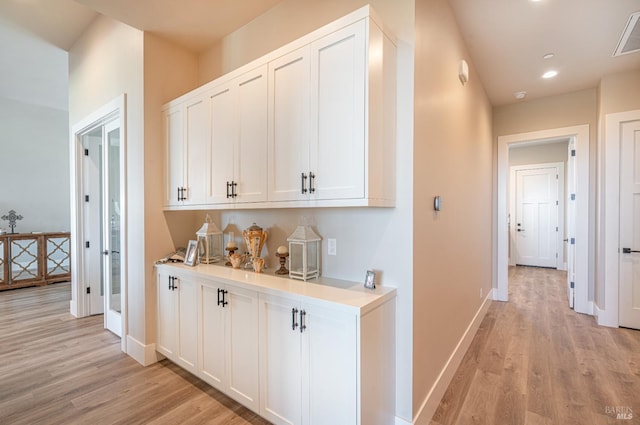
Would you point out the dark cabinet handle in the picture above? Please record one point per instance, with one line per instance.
(172, 283)
(228, 194)
(181, 191)
(221, 297)
(312, 178)
(233, 189)
(303, 182)
(303, 322)
(294, 312)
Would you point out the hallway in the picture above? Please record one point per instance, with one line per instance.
(535, 361)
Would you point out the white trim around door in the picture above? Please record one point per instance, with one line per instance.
(580, 135)
(607, 309)
(79, 305)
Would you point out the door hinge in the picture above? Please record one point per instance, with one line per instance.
(572, 284)
(86, 198)
(573, 241)
(573, 196)
(573, 152)
(87, 244)
(556, 202)
(86, 152)
(556, 228)
(556, 177)
(88, 290)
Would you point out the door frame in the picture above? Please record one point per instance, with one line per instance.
(607, 312)
(580, 135)
(560, 211)
(114, 110)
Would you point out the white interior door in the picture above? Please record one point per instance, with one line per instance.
(571, 222)
(536, 223)
(101, 223)
(111, 229)
(629, 295)
(92, 220)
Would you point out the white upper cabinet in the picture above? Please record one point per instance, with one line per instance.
(289, 92)
(187, 148)
(239, 139)
(338, 108)
(310, 124)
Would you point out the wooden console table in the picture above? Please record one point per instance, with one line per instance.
(34, 259)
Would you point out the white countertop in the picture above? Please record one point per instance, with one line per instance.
(351, 295)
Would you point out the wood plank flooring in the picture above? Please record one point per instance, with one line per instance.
(534, 361)
(55, 369)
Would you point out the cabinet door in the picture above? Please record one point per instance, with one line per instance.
(166, 324)
(289, 120)
(280, 375)
(338, 70)
(174, 157)
(197, 140)
(242, 346)
(223, 140)
(329, 365)
(187, 322)
(251, 149)
(212, 334)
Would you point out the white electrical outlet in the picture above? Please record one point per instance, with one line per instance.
(331, 246)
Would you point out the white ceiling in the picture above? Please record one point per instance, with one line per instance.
(506, 38)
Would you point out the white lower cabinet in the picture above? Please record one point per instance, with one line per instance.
(295, 353)
(228, 324)
(177, 320)
(309, 356)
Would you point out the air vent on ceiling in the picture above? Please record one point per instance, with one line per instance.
(630, 39)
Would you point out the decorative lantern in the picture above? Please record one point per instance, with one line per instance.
(304, 253)
(209, 242)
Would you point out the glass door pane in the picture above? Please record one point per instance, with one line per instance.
(113, 143)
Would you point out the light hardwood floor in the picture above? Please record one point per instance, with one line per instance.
(534, 361)
(55, 369)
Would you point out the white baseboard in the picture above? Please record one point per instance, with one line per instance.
(604, 319)
(143, 354)
(400, 421)
(431, 402)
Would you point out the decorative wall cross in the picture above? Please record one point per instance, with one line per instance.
(12, 217)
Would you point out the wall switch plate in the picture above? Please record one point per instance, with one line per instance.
(331, 246)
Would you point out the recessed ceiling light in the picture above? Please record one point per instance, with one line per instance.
(550, 74)
(520, 94)
(548, 56)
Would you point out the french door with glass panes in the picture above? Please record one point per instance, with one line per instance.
(101, 217)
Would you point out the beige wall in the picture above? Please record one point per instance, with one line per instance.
(106, 62)
(538, 154)
(452, 158)
(169, 71)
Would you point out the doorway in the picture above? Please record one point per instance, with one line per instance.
(579, 135)
(618, 283)
(98, 192)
